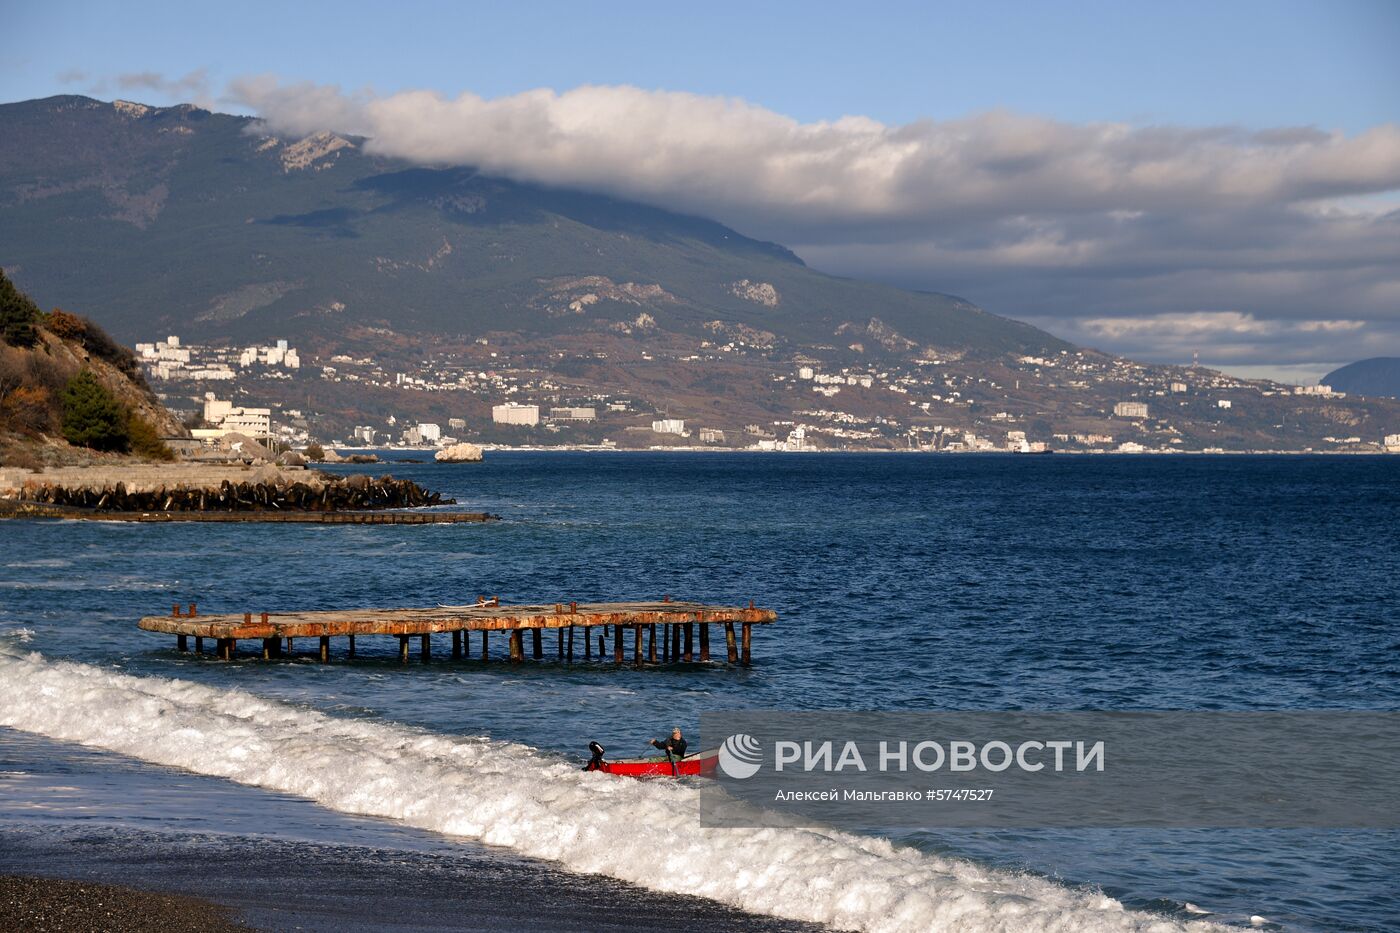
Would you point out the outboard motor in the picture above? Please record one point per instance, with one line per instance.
(596, 762)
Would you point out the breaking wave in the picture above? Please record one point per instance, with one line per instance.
(510, 795)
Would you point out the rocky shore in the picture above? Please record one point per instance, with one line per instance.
(28, 903)
(208, 488)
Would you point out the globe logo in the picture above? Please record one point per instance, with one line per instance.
(740, 756)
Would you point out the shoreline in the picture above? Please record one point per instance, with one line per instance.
(264, 883)
(36, 902)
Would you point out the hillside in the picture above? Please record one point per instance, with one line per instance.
(1378, 377)
(432, 295)
(178, 219)
(69, 393)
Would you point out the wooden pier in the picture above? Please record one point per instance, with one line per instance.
(629, 632)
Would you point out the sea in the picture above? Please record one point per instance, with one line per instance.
(902, 582)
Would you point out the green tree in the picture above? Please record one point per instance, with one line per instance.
(144, 439)
(91, 416)
(17, 314)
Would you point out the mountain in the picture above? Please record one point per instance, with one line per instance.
(429, 296)
(1376, 377)
(181, 220)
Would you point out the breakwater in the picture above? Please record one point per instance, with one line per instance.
(214, 493)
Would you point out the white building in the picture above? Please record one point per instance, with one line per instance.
(806, 372)
(1130, 409)
(515, 413)
(573, 414)
(364, 434)
(230, 419)
(456, 424)
(1177, 388)
(716, 436)
(668, 426)
(1392, 441)
(429, 433)
(215, 410)
(1224, 403)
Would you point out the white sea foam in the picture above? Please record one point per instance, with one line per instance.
(511, 795)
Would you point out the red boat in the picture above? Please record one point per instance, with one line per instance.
(703, 763)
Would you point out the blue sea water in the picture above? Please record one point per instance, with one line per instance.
(902, 582)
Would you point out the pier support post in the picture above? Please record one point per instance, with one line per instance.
(325, 649)
(289, 644)
(587, 644)
(350, 652)
(559, 642)
(637, 644)
(199, 644)
(517, 646)
(269, 648)
(689, 642)
(571, 644)
(748, 643)
(729, 642)
(704, 641)
(675, 643)
(485, 646)
(425, 648)
(456, 645)
(537, 643)
(403, 649)
(182, 643)
(617, 644)
(603, 643)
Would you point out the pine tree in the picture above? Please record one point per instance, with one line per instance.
(91, 416)
(17, 314)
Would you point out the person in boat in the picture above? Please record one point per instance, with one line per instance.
(674, 747)
(596, 762)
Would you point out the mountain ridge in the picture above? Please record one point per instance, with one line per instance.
(1378, 376)
(181, 217)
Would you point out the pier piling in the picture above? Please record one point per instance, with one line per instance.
(672, 623)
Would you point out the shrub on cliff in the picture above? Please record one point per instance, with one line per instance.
(28, 409)
(18, 314)
(91, 416)
(145, 440)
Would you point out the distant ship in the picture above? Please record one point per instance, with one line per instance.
(1026, 448)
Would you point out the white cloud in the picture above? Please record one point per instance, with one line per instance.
(1031, 217)
(189, 88)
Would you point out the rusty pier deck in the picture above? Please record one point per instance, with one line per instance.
(604, 625)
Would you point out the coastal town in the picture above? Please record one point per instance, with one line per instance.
(509, 392)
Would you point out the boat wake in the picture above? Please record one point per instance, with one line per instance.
(510, 795)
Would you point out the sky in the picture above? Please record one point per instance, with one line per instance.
(1158, 180)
